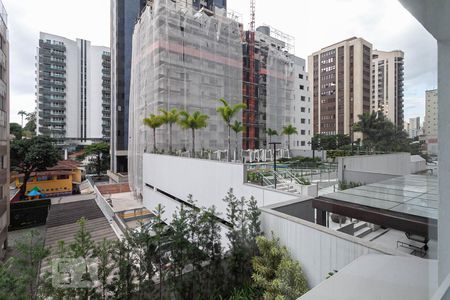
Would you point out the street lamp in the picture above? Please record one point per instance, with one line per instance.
(275, 160)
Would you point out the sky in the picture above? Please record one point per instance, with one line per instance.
(313, 23)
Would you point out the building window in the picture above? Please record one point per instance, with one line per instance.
(302, 109)
(302, 87)
(302, 132)
(303, 121)
(303, 143)
(300, 76)
(302, 98)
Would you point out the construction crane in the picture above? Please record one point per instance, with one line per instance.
(252, 109)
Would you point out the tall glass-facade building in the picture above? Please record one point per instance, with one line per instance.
(124, 14)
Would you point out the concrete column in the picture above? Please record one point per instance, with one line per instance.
(444, 157)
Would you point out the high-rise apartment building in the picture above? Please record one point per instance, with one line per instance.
(4, 130)
(280, 90)
(124, 14)
(430, 124)
(73, 89)
(339, 77)
(186, 59)
(387, 84)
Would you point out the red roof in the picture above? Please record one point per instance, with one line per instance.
(63, 167)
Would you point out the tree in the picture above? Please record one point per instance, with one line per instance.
(227, 113)
(101, 153)
(31, 251)
(154, 122)
(30, 126)
(22, 113)
(289, 130)
(194, 121)
(170, 117)
(271, 132)
(237, 127)
(32, 155)
(276, 273)
(380, 134)
(16, 130)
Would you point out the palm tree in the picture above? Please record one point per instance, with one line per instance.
(22, 113)
(227, 113)
(170, 117)
(366, 125)
(194, 121)
(289, 130)
(237, 127)
(154, 122)
(270, 132)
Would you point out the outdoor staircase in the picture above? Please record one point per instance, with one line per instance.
(361, 229)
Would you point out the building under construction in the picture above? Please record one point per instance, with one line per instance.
(187, 58)
(270, 89)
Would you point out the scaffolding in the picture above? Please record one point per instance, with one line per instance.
(187, 59)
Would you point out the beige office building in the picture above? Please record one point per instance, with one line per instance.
(430, 125)
(340, 85)
(387, 84)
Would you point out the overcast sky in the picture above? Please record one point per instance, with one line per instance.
(314, 24)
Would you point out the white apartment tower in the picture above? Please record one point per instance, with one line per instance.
(73, 89)
(339, 77)
(302, 107)
(387, 84)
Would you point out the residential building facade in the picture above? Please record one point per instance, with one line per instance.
(4, 130)
(73, 89)
(430, 124)
(124, 14)
(339, 77)
(186, 59)
(387, 84)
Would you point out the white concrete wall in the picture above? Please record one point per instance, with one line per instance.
(373, 168)
(208, 181)
(318, 249)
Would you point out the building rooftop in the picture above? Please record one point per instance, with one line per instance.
(374, 277)
(416, 195)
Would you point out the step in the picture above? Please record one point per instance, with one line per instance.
(360, 225)
(363, 232)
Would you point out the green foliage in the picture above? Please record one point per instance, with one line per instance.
(194, 121)
(228, 112)
(344, 185)
(302, 180)
(237, 127)
(276, 272)
(16, 130)
(32, 155)
(30, 126)
(101, 153)
(271, 132)
(330, 142)
(154, 122)
(380, 134)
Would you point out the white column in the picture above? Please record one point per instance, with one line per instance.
(444, 158)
